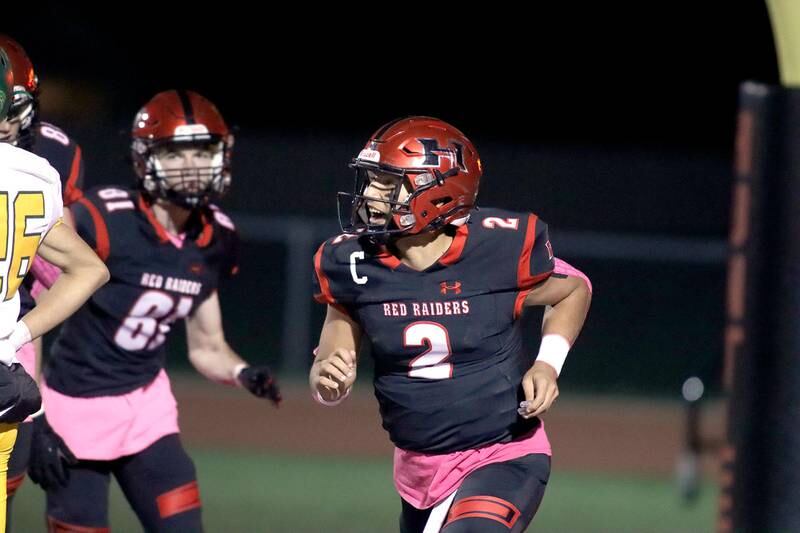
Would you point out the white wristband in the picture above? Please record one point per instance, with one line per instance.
(319, 399)
(20, 336)
(553, 351)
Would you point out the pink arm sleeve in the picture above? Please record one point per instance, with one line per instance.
(562, 267)
(45, 274)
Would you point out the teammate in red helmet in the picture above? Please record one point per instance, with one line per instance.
(109, 408)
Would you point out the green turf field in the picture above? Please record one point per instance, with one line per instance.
(266, 493)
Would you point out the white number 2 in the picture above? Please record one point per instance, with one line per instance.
(429, 364)
(497, 222)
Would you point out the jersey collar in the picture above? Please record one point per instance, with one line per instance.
(202, 240)
(451, 256)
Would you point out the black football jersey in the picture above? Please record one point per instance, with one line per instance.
(115, 342)
(64, 154)
(446, 341)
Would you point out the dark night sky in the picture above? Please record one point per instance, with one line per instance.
(555, 74)
(612, 119)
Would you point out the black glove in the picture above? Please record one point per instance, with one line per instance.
(258, 380)
(19, 393)
(50, 457)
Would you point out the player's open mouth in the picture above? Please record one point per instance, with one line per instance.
(375, 216)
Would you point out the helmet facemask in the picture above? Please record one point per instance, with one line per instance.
(386, 216)
(22, 111)
(192, 186)
(23, 107)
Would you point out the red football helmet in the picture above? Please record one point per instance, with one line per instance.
(437, 162)
(26, 84)
(175, 117)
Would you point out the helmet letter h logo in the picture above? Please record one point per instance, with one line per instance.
(433, 151)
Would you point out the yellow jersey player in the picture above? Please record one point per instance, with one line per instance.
(30, 224)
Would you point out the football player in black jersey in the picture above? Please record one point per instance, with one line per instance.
(24, 128)
(437, 286)
(109, 409)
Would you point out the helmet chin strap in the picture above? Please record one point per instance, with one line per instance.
(459, 221)
(26, 117)
(158, 169)
(155, 177)
(217, 160)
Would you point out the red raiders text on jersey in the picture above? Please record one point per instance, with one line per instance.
(446, 341)
(115, 342)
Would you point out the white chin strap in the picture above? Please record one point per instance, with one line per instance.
(26, 117)
(460, 221)
(217, 183)
(157, 168)
(21, 97)
(216, 161)
(156, 180)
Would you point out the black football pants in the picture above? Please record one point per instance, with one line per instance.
(501, 497)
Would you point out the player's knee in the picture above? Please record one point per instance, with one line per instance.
(71, 510)
(60, 526)
(481, 514)
(182, 499)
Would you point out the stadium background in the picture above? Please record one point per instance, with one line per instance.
(615, 127)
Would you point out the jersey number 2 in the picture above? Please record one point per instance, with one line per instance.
(430, 364)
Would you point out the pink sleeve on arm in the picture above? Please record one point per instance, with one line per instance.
(45, 273)
(562, 267)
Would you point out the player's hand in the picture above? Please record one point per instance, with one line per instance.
(540, 385)
(50, 456)
(333, 376)
(259, 381)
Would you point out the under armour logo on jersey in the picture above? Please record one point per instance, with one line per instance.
(549, 247)
(454, 286)
(433, 152)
